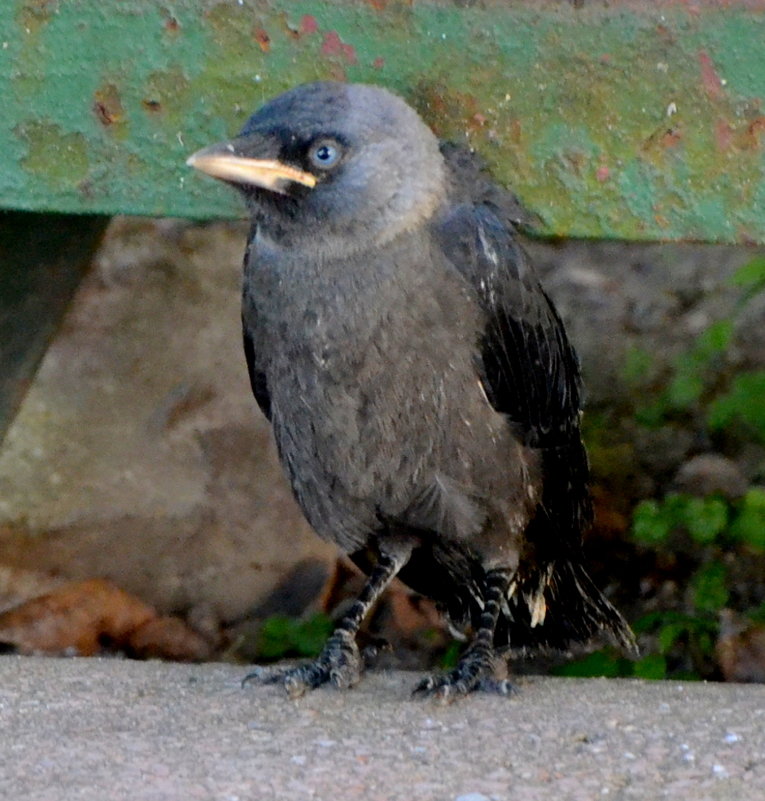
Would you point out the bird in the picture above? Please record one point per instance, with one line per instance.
(423, 394)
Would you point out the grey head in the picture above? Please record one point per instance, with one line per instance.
(327, 161)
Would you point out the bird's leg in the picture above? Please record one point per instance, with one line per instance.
(476, 668)
(339, 662)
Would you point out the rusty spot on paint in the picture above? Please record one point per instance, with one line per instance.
(337, 73)
(710, 80)
(448, 111)
(33, 14)
(262, 38)
(60, 157)
(663, 138)
(723, 135)
(665, 34)
(378, 5)
(308, 24)
(754, 131)
(378, 63)
(172, 25)
(602, 173)
(515, 131)
(168, 91)
(333, 45)
(107, 105)
(103, 113)
(670, 137)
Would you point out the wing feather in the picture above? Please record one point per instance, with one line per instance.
(526, 363)
(257, 378)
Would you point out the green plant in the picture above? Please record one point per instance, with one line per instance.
(708, 521)
(696, 542)
(719, 527)
(696, 383)
(281, 636)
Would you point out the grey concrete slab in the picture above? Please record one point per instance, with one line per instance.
(90, 729)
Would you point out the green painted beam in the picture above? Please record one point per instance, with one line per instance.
(635, 120)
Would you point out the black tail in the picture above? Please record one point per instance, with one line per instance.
(557, 607)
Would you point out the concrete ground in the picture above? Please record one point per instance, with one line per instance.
(90, 729)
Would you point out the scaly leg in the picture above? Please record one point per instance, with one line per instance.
(475, 670)
(339, 662)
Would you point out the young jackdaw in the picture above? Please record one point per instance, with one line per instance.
(423, 394)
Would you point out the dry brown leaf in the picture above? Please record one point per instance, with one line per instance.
(168, 638)
(740, 649)
(78, 616)
(411, 613)
(18, 585)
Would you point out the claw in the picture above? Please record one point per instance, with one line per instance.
(424, 687)
(474, 673)
(338, 664)
(263, 676)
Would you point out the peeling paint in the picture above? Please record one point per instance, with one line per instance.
(333, 45)
(108, 108)
(712, 82)
(167, 91)
(34, 14)
(59, 158)
(634, 120)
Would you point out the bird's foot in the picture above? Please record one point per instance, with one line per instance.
(339, 664)
(475, 672)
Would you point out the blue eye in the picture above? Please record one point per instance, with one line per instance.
(325, 154)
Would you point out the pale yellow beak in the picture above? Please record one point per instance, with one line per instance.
(219, 162)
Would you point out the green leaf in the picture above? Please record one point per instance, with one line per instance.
(749, 524)
(311, 634)
(705, 518)
(743, 403)
(669, 634)
(599, 663)
(637, 366)
(451, 655)
(654, 620)
(685, 389)
(652, 415)
(275, 637)
(650, 523)
(651, 666)
(710, 590)
(757, 613)
(282, 636)
(713, 341)
(750, 277)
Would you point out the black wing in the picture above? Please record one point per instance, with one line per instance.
(528, 368)
(531, 374)
(257, 378)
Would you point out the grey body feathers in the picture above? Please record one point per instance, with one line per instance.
(419, 381)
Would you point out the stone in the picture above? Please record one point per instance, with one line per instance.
(139, 454)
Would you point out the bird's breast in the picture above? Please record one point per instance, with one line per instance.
(374, 392)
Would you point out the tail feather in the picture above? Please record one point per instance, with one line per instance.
(558, 607)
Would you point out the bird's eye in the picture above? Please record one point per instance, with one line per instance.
(325, 153)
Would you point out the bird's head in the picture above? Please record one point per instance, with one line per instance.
(335, 160)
